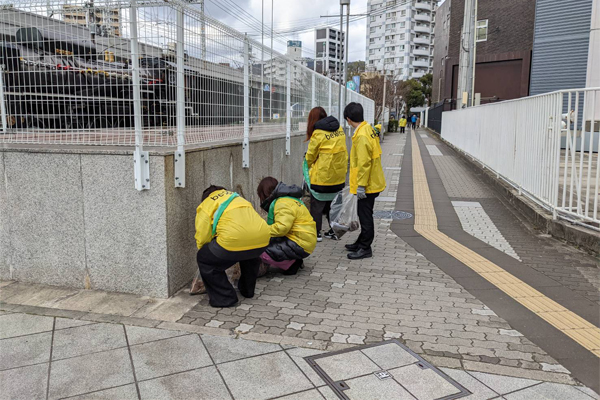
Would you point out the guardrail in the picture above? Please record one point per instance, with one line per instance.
(545, 146)
(147, 73)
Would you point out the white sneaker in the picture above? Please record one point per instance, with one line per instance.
(319, 237)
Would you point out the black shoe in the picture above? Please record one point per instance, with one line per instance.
(361, 253)
(331, 235)
(293, 269)
(352, 247)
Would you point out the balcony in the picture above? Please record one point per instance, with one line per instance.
(420, 5)
(421, 63)
(421, 40)
(418, 74)
(423, 17)
(422, 52)
(423, 28)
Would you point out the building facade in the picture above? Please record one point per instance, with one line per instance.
(400, 37)
(101, 21)
(277, 70)
(504, 39)
(329, 47)
(560, 44)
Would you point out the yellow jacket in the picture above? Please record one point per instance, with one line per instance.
(403, 122)
(239, 228)
(293, 220)
(327, 158)
(365, 161)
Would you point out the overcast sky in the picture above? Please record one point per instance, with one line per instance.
(291, 14)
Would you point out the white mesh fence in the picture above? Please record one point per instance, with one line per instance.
(109, 72)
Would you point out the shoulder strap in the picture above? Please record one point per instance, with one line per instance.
(271, 217)
(220, 211)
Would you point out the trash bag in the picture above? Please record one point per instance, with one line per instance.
(344, 213)
(233, 275)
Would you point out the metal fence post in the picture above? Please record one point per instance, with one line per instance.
(141, 158)
(288, 105)
(313, 98)
(426, 117)
(180, 153)
(329, 110)
(246, 144)
(2, 103)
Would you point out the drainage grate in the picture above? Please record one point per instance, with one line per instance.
(392, 215)
(384, 370)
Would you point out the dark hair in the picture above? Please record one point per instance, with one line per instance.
(314, 115)
(209, 190)
(354, 112)
(266, 187)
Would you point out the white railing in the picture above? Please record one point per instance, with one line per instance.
(546, 146)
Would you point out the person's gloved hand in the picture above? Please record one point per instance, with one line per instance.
(360, 192)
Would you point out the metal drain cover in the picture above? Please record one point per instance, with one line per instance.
(386, 370)
(392, 215)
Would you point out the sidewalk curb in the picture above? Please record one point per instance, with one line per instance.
(540, 218)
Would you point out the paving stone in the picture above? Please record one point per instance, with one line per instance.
(169, 356)
(137, 334)
(25, 350)
(200, 383)
(503, 384)
(23, 324)
(298, 354)
(126, 392)
(312, 394)
(370, 387)
(89, 373)
(87, 339)
(24, 383)
(423, 383)
(63, 323)
(224, 349)
(479, 390)
(389, 356)
(548, 391)
(263, 377)
(346, 365)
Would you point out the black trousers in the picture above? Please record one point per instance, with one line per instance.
(213, 260)
(413, 124)
(367, 225)
(317, 209)
(402, 129)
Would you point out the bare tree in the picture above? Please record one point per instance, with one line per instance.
(373, 89)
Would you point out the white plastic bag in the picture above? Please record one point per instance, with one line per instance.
(344, 213)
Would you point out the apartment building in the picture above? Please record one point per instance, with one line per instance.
(100, 20)
(400, 37)
(329, 47)
(277, 69)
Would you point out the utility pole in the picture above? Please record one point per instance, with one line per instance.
(339, 69)
(383, 100)
(344, 49)
(271, 74)
(466, 61)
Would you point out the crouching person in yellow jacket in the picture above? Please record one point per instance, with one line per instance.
(366, 178)
(293, 232)
(228, 230)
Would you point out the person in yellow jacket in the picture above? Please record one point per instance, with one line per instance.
(402, 123)
(327, 159)
(228, 231)
(366, 178)
(293, 232)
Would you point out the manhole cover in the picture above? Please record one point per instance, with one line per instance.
(384, 370)
(392, 215)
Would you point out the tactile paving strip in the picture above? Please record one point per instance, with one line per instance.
(571, 324)
(386, 370)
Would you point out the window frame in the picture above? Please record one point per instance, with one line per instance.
(477, 28)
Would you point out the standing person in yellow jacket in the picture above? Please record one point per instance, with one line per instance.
(293, 233)
(402, 123)
(228, 230)
(366, 178)
(327, 159)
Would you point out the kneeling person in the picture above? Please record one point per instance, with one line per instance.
(293, 230)
(228, 230)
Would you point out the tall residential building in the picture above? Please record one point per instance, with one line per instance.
(400, 37)
(278, 69)
(101, 21)
(504, 39)
(329, 47)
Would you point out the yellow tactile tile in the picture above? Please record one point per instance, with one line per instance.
(567, 321)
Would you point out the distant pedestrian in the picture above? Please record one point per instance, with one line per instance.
(413, 121)
(402, 123)
(366, 178)
(418, 122)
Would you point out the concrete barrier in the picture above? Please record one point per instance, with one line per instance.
(73, 217)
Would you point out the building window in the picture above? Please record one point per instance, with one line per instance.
(372, 19)
(372, 30)
(392, 26)
(482, 30)
(372, 40)
(391, 15)
(321, 33)
(402, 36)
(372, 51)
